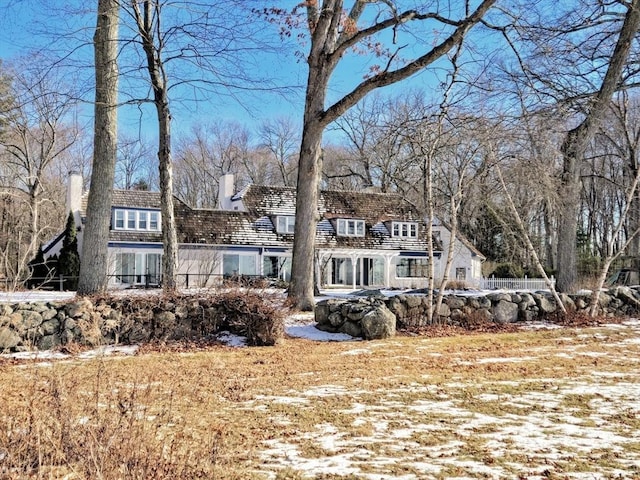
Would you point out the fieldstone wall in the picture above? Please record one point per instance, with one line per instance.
(346, 315)
(44, 326)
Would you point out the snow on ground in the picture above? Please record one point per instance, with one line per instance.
(533, 429)
(580, 427)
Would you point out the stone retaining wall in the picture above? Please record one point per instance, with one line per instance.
(345, 315)
(132, 320)
(43, 326)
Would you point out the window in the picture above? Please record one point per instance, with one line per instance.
(119, 219)
(131, 220)
(125, 267)
(285, 224)
(142, 220)
(412, 267)
(233, 265)
(138, 268)
(277, 267)
(350, 228)
(404, 229)
(154, 221)
(136, 220)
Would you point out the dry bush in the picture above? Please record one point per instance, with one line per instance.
(252, 315)
(575, 318)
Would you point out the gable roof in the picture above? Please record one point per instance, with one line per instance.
(255, 224)
(264, 203)
(129, 199)
(370, 207)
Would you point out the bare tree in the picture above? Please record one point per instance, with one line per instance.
(195, 44)
(332, 33)
(376, 138)
(134, 163)
(576, 143)
(279, 137)
(149, 28)
(573, 59)
(94, 261)
(209, 152)
(39, 131)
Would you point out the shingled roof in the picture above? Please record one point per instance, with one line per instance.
(129, 199)
(141, 199)
(262, 204)
(371, 207)
(376, 209)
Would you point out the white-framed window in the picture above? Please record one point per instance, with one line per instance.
(404, 229)
(285, 224)
(142, 220)
(131, 220)
(350, 228)
(138, 268)
(154, 220)
(125, 219)
(408, 267)
(118, 219)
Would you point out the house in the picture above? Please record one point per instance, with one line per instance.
(363, 239)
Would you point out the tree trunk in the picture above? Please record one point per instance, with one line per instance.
(309, 172)
(169, 234)
(94, 263)
(158, 78)
(575, 145)
(569, 204)
(631, 170)
(332, 34)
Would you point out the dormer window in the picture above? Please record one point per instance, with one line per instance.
(404, 229)
(140, 220)
(350, 228)
(285, 224)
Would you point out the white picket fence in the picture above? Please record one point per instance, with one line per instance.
(493, 283)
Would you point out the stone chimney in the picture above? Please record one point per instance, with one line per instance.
(226, 191)
(74, 195)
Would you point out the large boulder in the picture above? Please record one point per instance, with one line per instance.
(8, 339)
(378, 323)
(505, 312)
(545, 304)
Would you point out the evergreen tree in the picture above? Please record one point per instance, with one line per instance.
(69, 260)
(39, 270)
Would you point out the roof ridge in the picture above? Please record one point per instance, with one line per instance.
(337, 190)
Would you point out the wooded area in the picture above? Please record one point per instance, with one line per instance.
(544, 96)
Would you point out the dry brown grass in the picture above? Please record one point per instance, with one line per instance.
(390, 406)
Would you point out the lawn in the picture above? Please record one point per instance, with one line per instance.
(536, 403)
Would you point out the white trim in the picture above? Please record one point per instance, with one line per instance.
(288, 222)
(343, 224)
(133, 216)
(404, 229)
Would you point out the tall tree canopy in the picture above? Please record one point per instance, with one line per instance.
(379, 29)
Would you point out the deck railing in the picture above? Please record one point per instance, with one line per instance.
(493, 283)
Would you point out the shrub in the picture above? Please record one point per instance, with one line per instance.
(252, 315)
(69, 260)
(508, 270)
(41, 270)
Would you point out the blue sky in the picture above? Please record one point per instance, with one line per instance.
(23, 21)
